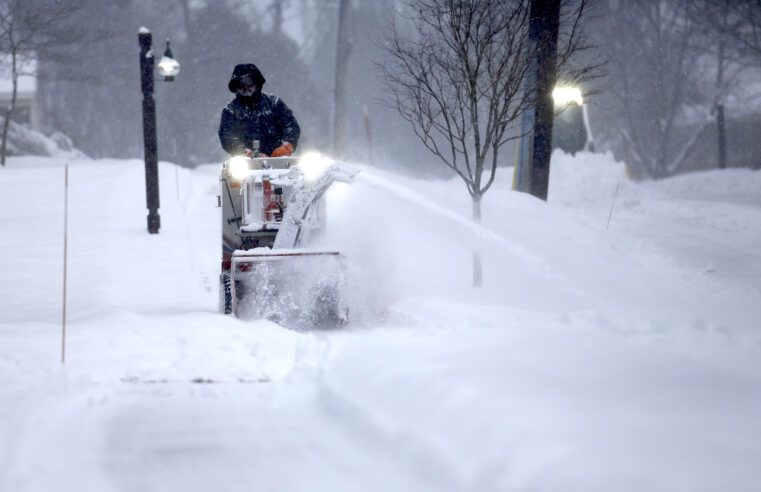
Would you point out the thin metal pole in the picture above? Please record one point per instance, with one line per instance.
(65, 254)
(722, 131)
(612, 205)
(176, 164)
(589, 145)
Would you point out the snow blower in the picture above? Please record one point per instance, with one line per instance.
(273, 208)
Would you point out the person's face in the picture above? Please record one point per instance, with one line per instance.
(246, 86)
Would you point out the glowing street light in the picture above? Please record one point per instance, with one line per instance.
(564, 96)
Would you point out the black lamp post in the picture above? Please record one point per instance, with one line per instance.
(168, 68)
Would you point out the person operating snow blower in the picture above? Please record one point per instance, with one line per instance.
(272, 214)
(256, 117)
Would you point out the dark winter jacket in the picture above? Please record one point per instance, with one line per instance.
(259, 117)
(264, 117)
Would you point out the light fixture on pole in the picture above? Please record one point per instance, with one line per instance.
(168, 67)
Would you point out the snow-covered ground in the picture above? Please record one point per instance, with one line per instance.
(618, 358)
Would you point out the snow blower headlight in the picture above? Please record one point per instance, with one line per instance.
(312, 164)
(239, 167)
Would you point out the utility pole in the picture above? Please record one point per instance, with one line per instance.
(149, 131)
(342, 69)
(532, 171)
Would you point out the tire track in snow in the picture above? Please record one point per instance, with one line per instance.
(370, 432)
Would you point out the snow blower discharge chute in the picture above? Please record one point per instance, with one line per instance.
(273, 209)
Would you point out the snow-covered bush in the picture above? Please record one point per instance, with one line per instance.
(25, 141)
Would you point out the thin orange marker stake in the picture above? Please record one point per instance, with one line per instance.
(65, 241)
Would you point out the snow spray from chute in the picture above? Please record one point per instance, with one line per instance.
(477, 230)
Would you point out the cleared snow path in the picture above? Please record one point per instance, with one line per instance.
(158, 390)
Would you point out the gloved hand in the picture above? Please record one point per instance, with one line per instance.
(284, 150)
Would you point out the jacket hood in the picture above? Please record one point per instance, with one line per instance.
(241, 71)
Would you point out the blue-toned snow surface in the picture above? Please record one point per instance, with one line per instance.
(599, 355)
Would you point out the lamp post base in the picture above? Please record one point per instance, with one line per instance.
(154, 222)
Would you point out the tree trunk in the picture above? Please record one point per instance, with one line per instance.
(11, 107)
(185, 4)
(720, 125)
(478, 277)
(369, 136)
(277, 16)
(342, 68)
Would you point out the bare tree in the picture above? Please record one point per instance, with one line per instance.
(669, 79)
(724, 20)
(88, 67)
(459, 80)
(732, 35)
(741, 23)
(28, 27)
